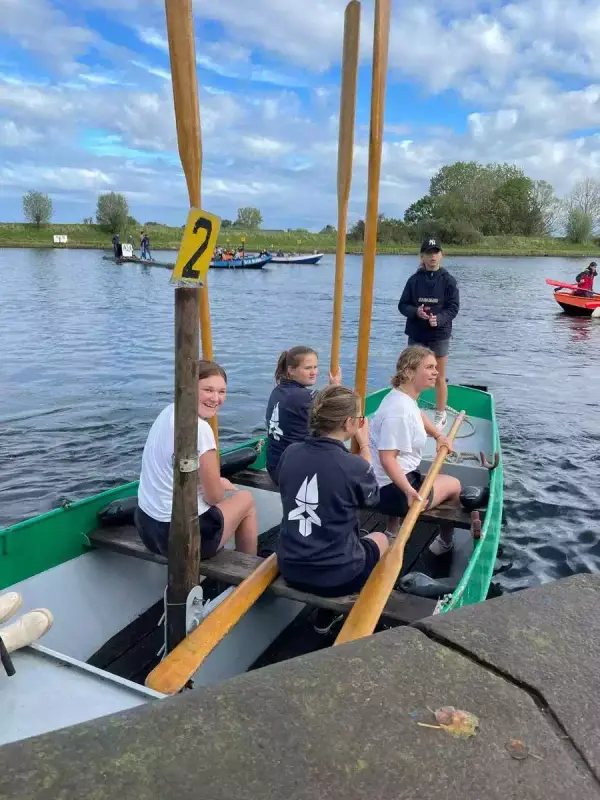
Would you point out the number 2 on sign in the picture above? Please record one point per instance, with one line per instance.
(197, 247)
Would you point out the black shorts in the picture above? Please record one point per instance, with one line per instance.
(440, 347)
(350, 587)
(155, 534)
(392, 500)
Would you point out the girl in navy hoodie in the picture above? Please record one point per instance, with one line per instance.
(289, 404)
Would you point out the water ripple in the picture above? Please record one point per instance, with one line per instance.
(87, 363)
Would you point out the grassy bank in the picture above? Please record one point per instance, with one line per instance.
(163, 237)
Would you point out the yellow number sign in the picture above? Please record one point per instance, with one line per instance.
(197, 248)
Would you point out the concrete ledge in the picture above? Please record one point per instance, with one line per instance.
(548, 639)
(340, 723)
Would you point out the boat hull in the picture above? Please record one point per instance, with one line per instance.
(577, 306)
(256, 262)
(311, 259)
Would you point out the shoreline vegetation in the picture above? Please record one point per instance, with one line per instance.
(164, 237)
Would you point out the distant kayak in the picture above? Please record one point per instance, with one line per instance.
(296, 258)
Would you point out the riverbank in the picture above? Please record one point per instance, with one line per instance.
(164, 237)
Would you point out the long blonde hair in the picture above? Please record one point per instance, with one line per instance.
(408, 362)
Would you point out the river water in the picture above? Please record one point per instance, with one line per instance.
(87, 362)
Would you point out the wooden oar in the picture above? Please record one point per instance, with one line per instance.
(176, 669)
(171, 675)
(365, 613)
(344, 173)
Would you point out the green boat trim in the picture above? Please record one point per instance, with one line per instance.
(45, 541)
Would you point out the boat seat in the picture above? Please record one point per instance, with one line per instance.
(231, 567)
(457, 516)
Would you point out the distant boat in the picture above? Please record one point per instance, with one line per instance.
(297, 258)
(575, 305)
(248, 262)
(150, 262)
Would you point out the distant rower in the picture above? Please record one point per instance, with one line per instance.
(585, 281)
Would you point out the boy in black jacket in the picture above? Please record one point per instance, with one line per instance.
(430, 302)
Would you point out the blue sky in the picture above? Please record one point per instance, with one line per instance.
(86, 105)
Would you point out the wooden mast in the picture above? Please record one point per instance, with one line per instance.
(380, 60)
(344, 174)
(184, 536)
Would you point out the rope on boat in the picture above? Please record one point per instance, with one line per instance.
(467, 419)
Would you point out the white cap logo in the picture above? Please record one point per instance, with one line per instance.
(432, 242)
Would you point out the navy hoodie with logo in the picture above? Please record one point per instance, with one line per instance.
(287, 419)
(437, 290)
(322, 487)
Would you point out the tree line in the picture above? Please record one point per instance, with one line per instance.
(466, 201)
(112, 213)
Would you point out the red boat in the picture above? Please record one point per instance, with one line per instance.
(574, 304)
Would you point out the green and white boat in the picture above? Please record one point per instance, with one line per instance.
(106, 590)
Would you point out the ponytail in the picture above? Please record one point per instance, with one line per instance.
(290, 359)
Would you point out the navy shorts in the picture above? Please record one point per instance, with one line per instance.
(392, 500)
(155, 534)
(350, 587)
(440, 348)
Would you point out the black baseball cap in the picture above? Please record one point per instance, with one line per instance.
(432, 243)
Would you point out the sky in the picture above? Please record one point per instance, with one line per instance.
(86, 102)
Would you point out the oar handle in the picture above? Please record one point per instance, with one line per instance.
(365, 613)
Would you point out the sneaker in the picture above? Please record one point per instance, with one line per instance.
(326, 619)
(438, 547)
(440, 419)
(27, 629)
(10, 603)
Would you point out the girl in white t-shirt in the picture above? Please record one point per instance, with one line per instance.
(398, 434)
(220, 517)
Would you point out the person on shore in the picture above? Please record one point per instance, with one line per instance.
(430, 302)
(145, 246)
(117, 248)
(288, 407)
(323, 486)
(585, 281)
(220, 517)
(398, 436)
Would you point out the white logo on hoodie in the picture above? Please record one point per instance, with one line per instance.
(274, 429)
(307, 501)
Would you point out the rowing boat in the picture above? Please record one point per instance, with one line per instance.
(106, 590)
(248, 262)
(296, 258)
(573, 303)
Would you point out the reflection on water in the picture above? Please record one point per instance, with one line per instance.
(87, 363)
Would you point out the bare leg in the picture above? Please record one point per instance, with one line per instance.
(240, 520)
(393, 525)
(446, 489)
(380, 540)
(441, 387)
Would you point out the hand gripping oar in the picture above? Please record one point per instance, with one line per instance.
(171, 675)
(365, 613)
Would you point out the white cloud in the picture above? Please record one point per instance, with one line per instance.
(13, 135)
(37, 26)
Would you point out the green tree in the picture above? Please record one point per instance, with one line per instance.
(585, 197)
(88, 220)
(357, 231)
(248, 218)
(579, 226)
(422, 209)
(37, 208)
(328, 230)
(112, 212)
(226, 223)
(513, 209)
(547, 204)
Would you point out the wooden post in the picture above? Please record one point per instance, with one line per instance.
(344, 176)
(184, 535)
(380, 60)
